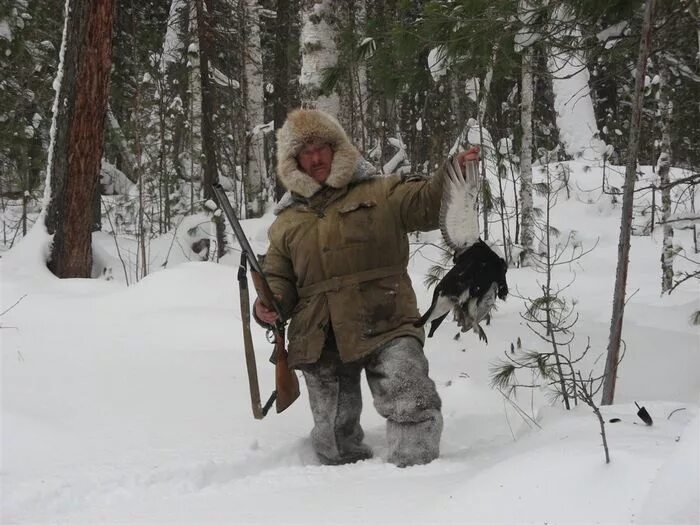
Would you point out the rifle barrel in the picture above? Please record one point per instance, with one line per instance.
(225, 205)
(267, 296)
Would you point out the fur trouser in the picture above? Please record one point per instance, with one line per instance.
(403, 393)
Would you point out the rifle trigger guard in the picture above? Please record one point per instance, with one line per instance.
(270, 336)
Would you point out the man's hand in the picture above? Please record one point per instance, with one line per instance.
(264, 314)
(471, 154)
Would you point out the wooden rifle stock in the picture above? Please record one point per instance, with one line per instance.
(286, 381)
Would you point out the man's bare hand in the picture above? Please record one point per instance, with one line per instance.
(471, 154)
(265, 314)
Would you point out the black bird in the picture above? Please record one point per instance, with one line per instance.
(478, 276)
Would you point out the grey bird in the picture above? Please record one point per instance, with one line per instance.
(478, 276)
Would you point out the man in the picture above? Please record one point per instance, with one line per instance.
(337, 261)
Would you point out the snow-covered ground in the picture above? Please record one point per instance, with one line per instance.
(130, 404)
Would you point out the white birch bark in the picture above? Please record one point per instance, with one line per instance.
(318, 52)
(663, 169)
(194, 167)
(487, 83)
(256, 169)
(122, 145)
(172, 42)
(361, 90)
(527, 215)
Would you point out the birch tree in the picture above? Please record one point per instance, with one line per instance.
(524, 40)
(663, 167)
(526, 205)
(194, 117)
(77, 143)
(618, 307)
(319, 53)
(255, 166)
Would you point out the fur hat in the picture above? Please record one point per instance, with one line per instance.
(312, 125)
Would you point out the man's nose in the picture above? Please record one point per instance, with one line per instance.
(316, 157)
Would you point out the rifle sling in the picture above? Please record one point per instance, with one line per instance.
(335, 284)
(258, 412)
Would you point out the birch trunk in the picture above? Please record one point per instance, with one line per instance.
(129, 161)
(483, 96)
(623, 249)
(78, 134)
(256, 168)
(526, 215)
(663, 168)
(361, 135)
(173, 94)
(318, 53)
(194, 118)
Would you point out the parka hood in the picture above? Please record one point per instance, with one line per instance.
(309, 125)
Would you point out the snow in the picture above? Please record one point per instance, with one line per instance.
(611, 35)
(267, 127)
(131, 405)
(5, 31)
(222, 80)
(437, 63)
(472, 88)
(115, 181)
(526, 35)
(575, 118)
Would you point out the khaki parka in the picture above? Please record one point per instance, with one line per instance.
(338, 256)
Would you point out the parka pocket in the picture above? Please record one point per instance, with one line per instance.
(307, 329)
(357, 221)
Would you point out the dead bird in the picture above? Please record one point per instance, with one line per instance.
(478, 276)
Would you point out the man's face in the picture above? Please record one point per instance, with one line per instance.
(315, 159)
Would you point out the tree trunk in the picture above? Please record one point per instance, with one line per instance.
(127, 157)
(361, 133)
(256, 167)
(623, 249)
(483, 96)
(526, 215)
(210, 170)
(663, 167)
(175, 84)
(281, 74)
(194, 117)
(78, 138)
(318, 53)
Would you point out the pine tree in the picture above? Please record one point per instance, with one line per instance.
(613, 355)
(76, 146)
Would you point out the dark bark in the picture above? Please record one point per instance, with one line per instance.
(623, 249)
(210, 170)
(79, 139)
(281, 74)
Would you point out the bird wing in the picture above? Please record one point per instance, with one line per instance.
(458, 215)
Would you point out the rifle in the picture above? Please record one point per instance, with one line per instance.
(286, 382)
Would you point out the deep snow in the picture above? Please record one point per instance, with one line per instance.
(130, 404)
